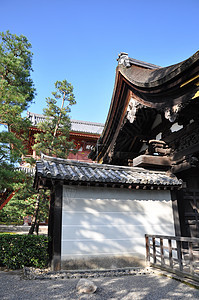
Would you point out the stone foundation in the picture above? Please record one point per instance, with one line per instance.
(102, 263)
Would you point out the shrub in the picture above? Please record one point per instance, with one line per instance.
(17, 251)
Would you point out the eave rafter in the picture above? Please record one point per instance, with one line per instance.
(115, 118)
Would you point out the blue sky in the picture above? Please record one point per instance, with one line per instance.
(80, 41)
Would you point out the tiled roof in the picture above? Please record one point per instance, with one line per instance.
(146, 75)
(73, 171)
(76, 126)
(85, 126)
(127, 61)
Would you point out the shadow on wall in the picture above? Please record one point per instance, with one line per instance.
(109, 225)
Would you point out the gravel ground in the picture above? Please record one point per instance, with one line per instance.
(129, 287)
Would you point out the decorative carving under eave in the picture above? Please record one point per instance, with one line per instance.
(132, 108)
(171, 113)
(112, 152)
(187, 141)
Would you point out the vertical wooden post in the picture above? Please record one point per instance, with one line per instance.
(154, 251)
(50, 226)
(162, 251)
(147, 249)
(170, 254)
(176, 216)
(179, 251)
(191, 258)
(57, 227)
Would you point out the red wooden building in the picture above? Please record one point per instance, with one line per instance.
(85, 135)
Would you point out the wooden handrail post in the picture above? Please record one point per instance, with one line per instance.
(186, 263)
(147, 249)
(191, 268)
(179, 251)
(154, 251)
(162, 251)
(170, 253)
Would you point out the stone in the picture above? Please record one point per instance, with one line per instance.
(85, 286)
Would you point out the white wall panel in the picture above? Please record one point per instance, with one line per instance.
(106, 221)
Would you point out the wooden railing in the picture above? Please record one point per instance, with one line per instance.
(179, 255)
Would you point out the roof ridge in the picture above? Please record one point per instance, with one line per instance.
(124, 59)
(143, 63)
(87, 122)
(91, 173)
(72, 120)
(97, 165)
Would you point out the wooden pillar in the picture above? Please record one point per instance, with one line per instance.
(55, 226)
(170, 253)
(176, 216)
(50, 226)
(147, 249)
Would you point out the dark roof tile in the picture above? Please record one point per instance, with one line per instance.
(73, 171)
(76, 126)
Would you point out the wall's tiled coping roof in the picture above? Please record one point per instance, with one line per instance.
(73, 171)
(76, 125)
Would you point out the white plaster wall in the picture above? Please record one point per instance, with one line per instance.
(112, 222)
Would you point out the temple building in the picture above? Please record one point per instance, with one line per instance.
(153, 122)
(85, 135)
(147, 176)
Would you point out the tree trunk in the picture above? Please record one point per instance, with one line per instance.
(35, 218)
(58, 121)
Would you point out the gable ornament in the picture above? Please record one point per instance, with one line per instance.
(132, 108)
(171, 113)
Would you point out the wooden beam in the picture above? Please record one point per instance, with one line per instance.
(181, 167)
(57, 227)
(188, 151)
(8, 199)
(50, 226)
(125, 155)
(151, 160)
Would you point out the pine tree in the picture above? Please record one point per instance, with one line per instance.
(16, 93)
(53, 139)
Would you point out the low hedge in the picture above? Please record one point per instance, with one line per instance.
(19, 250)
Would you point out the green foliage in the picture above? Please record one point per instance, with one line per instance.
(16, 93)
(17, 251)
(54, 136)
(8, 176)
(16, 86)
(23, 203)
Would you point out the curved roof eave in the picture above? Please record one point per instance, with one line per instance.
(114, 107)
(152, 78)
(144, 79)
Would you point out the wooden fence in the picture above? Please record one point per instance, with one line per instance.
(179, 255)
